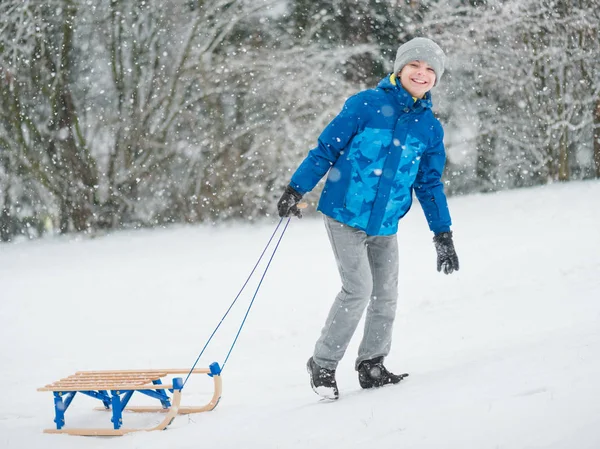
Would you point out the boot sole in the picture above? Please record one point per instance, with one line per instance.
(367, 386)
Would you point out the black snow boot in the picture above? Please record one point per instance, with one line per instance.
(372, 373)
(322, 380)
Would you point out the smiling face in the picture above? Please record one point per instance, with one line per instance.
(417, 77)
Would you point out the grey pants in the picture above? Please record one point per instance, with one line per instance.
(368, 267)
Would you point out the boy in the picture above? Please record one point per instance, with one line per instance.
(384, 144)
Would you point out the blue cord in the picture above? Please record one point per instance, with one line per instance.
(255, 293)
(238, 295)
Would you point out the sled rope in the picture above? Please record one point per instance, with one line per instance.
(255, 293)
(238, 295)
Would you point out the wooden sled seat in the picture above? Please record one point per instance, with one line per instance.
(115, 388)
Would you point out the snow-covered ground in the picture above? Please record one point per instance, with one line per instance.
(503, 354)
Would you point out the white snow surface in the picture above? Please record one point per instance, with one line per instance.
(503, 354)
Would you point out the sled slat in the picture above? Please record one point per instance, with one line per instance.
(107, 387)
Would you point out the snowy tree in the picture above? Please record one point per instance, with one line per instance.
(46, 154)
(104, 105)
(166, 116)
(522, 72)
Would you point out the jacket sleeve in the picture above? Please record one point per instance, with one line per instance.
(332, 141)
(430, 189)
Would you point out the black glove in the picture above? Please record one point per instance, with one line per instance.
(446, 254)
(288, 203)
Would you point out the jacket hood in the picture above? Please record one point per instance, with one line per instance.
(392, 84)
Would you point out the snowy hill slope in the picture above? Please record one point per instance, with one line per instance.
(503, 354)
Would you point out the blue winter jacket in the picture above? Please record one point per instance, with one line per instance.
(381, 145)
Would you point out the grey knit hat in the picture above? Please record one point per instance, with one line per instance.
(421, 49)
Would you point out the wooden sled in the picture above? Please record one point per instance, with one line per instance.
(115, 389)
